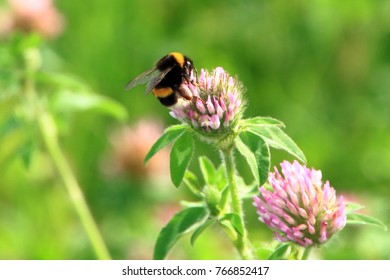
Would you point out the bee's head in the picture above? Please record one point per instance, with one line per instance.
(189, 72)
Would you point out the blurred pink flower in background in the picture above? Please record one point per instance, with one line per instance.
(130, 145)
(40, 16)
(300, 208)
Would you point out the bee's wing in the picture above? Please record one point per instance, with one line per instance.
(152, 77)
(143, 78)
(153, 81)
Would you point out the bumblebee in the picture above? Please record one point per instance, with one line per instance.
(168, 80)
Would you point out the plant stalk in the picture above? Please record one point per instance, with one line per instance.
(48, 131)
(241, 242)
(306, 253)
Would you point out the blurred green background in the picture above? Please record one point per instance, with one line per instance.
(320, 66)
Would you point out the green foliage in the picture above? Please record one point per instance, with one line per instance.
(192, 182)
(262, 121)
(250, 158)
(76, 101)
(183, 222)
(214, 191)
(213, 176)
(360, 219)
(170, 135)
(276, 138)
(209, 222)
(21, 63)
(235, 221)
(280, 251)
(260, 152)
(181, 154)
(352, 207)
(33, 117)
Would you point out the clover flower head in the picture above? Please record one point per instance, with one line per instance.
(301, 208)
(216, 106)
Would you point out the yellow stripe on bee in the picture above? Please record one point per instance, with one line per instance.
(179, 57)
(162, 92)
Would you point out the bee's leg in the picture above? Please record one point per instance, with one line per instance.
(184, 91)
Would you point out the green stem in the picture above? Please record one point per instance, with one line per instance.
(306, 253)
(241, 242)
(47, 129)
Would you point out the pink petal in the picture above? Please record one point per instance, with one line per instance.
(214, 122)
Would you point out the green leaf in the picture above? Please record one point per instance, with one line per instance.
(225, 193)
(26, 152)
(279, 252)
(212, 176)
(365, 220)
(200, 229)
(180, 157)
(235, 221)
(212, 197)
(70, 101)
(183, 222)
(63, 80)
(250, 158)
(170, 135)
(262, 253)
(247, 190)
(10, 124)
(208, 170)
(22, 150)
(263, 121)
(276, 138)
(189, 204)
(352, 207)
(192, 183)
(261, 153)
(221, 180)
